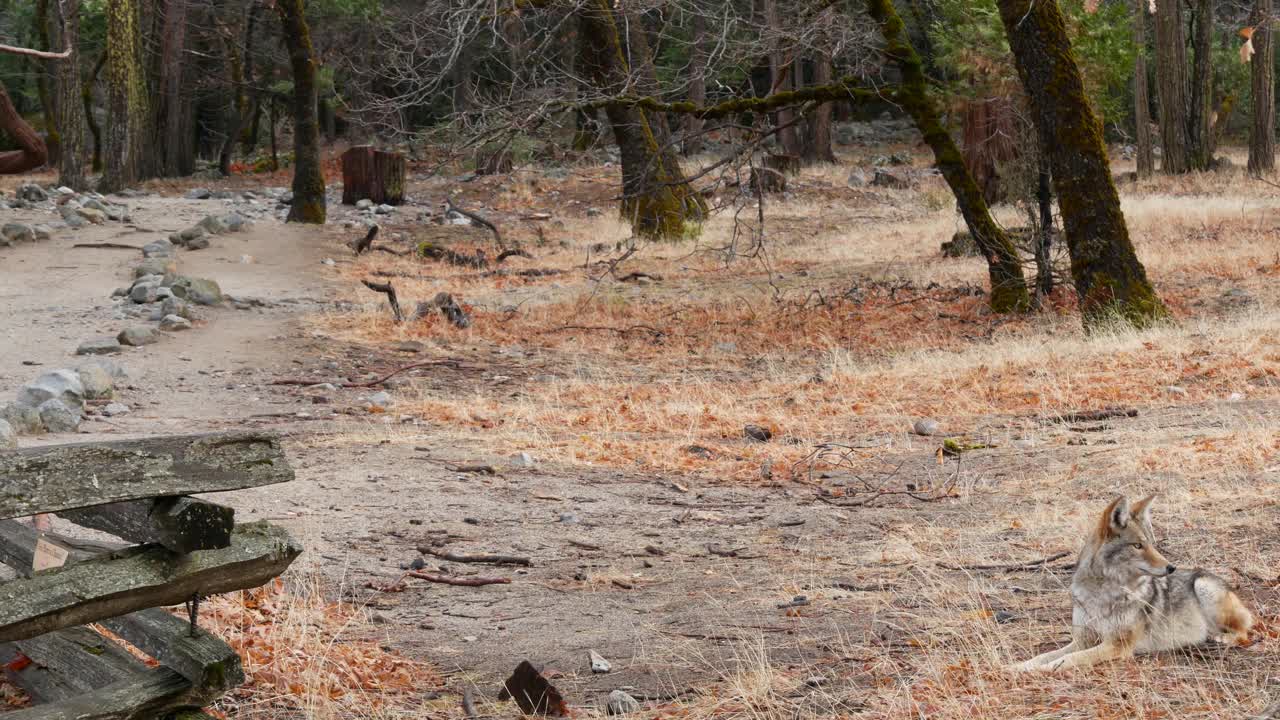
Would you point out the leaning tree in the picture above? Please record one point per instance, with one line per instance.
(32, 152)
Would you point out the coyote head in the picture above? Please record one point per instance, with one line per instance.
(1125, 543)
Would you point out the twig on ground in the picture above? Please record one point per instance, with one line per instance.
(390, 292)
(371, 383)
(583, 545)
(1012, 566)
(1090, 415)
(462, 581)
(366, 242)
(107, 246)
(497, 236)
(481, 558)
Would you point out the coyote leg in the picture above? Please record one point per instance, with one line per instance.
(1040, 660)
(1111, 649)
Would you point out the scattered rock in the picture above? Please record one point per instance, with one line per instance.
(174, 323)
(177, 306)
(8, 436)
(858, 179)
(523, 459)
(32, 193)
(1175, 390)
(115, 409)
(214, 225)
(199, 243)
(70, 217)
(57, 417)
(198, 194)
(379, 401)
(63, 385)
(235, 222)
(384, 210)
(138, 336)
(927, 427)
(99, 346)
(24, 420)
(621, 703)
(364, 204)
(43, 232)
(598, 664)
(96, 381)
(145, 290)
(896, 178)
(17, 232)
(197, 290)
(93, 215)
(192, 233)
(756, 433)
(569, 519)
(154, 266)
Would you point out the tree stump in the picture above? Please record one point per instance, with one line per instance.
(373, 174)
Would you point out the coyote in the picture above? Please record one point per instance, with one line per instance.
(1126, 598)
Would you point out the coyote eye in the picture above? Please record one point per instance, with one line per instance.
(1137, 546)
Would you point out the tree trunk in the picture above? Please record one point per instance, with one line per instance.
(372, 174)
(817, 145)
(178, 156)
(1141, 95)
(1110, 281)
(308, 179)
(1262, 131)
(693, 141)
(1200, 119)
(1008, 289)
(657, 199)
(1171, 87)
(66, 34)
(45, 70)
(1044, 243)
(780, 81)
(236, 111)
(249, 132)
(33, 153)
(86, 95)
(127, 104)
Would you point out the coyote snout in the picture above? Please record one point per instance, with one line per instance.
(1127, 598)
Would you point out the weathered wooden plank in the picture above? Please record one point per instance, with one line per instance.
(138, 578)
(139, 697)
(18, 546)
(181, 524)
(65, 477)
(68, 662)
(208, 662)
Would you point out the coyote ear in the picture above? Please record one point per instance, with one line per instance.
(1142, 510)
(1116, 516)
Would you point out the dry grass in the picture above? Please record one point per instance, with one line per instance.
(836, 333)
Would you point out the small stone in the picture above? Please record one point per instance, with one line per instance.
(569, 519)
(138, 336)
(62, 385)
(1235, 397)
(145, 291)
(235, 222)
(176, 306)
(727, 348)
(8, 436)
(197, 290)
(364, 204)
(158, 248)
(17, 232)
(96, 381)
(925, 426)
(160, 266)
(199, 243)
(598, 664)
(43, 232)
(523, 459)
(115, 409)
(57, 417)
(99, 346)
(757, 433)
(174, 323)
(621, 703)
(64, 190)
(384, 210)
(858, 179)
(594, 212)
(328, 261)
(97, 217)
(32, 193)
(214, 224)
(379, 401)
(198, 194)
(1175, 390)
(24, 420)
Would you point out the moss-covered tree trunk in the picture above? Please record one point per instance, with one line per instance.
(308, 179)
(91, 120)
(1110, 281)
(127, 99)
(66, 34)
(1141, 94)
(1008, 289)
(1200, 118)
(1172, 87)
(657, 198)
(1262, 130)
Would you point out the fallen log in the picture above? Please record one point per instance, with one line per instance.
(139, 578)
(66, 477)
(181, 524)
(390, 292)
(480, 558)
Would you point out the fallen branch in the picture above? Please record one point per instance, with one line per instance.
(391, 251)
(390, 292)
(435, 251)
(369, 383)
(1013, 566)
(517, 252)
(366, 242)
(107, 246)
(11, 50)
(497, 236)
(463, 581)
(482, 558)
(1091, 415)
